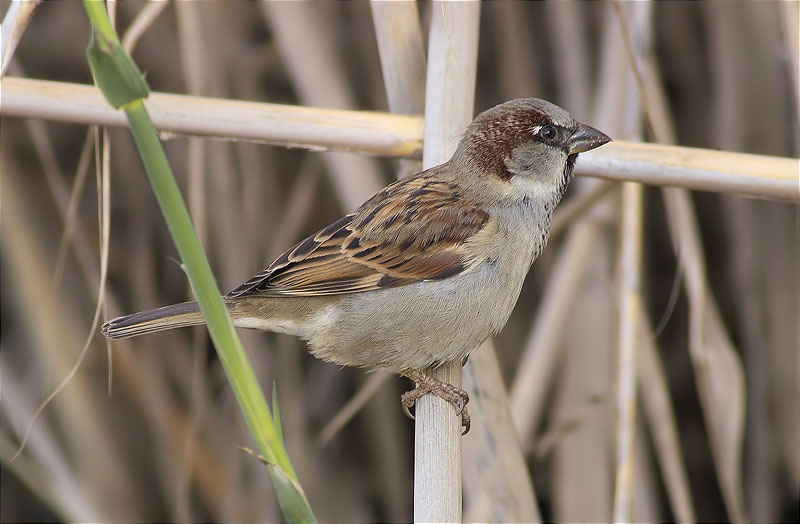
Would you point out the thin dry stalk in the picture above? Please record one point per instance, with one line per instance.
(582, 466)
(308, 49)
(718, 370)
(574, 208)
(790, 23)
(388, 454)
(516, 43)
(57, 485)
(583, 458)
(14, 23)
(658, 410)
(537, 367)
(71, 212)
(637, 45)
(147, 15)
(353, 406)
(692, 168)
(192, 47)
(182, 115)
(450, 90)
(396, 135)
(399, 38)
(570, 55)
(56, 330)
(498, 485)
(402, 54)
(630, 313)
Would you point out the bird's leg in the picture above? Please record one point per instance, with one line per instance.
(429, 384)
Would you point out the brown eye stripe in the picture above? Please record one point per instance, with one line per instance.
(496, 136)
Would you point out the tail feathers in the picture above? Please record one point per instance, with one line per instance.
(167, 317)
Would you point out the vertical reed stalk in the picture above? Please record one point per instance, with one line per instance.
(449, 98)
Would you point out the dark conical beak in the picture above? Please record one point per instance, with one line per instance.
(586, 138)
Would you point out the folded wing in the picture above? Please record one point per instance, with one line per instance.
(413, 230)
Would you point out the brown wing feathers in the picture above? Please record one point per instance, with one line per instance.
(378, 246)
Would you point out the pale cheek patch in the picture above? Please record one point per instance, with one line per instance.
(531, 186)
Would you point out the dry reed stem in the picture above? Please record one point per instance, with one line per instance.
(574, 208)
(55, 329)
(684, 56)
(61, 196)
(512, 37)
(630, 311)
(536, 368)
(718, 370)
(70, 218)
(658, 411)
(652, 383)
(402, 54)
(293, 126)
(697, 169)
(192, 48)
(147, 15)
(637, 46)
(353, 406)
(85, 255)
(583, 459)
(498, 486)
(396, 135)
(449, 98)
(14, 23)
(401, 51)
(570, 56)
(790, 23)
(582, 463)
(58, 483)
(399, 37)
(308, 48)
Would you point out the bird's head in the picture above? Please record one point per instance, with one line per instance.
(527, 143)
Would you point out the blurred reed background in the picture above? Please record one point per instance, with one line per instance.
(718, 424)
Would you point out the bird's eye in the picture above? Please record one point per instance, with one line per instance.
(548, 132)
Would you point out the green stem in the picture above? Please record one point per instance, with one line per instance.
(220, 326)
(123, 86)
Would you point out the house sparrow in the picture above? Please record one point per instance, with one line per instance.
(426, 269)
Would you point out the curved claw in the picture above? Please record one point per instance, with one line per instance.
(427, 384)
(465, 421)
(461, 403)
(407, 411)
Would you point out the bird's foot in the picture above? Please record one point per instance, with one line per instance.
(428, 384)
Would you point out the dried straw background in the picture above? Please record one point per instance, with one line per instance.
(163, 445)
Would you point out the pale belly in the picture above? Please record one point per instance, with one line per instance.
(419, 325)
